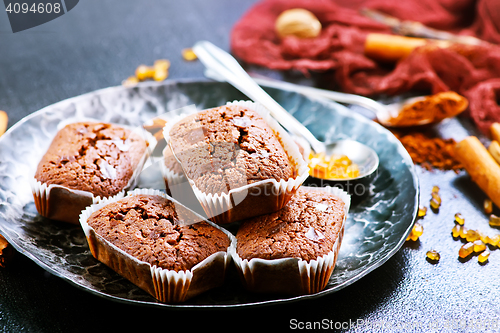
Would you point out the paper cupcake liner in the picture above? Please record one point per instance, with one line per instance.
(292, 276)
(170, 176)
(62, 203)
(165, 285)
(178, 187)
(258, 198)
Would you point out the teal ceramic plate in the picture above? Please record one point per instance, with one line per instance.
(376, 227)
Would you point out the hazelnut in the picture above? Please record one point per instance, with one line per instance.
(297, 22)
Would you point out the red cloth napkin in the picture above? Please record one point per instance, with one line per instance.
(471, 71)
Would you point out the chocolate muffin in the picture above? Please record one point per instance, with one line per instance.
(95, 157)
(306, 228)
(238, 159)
(148, 228)
(158, 244)
(293, 250)
(86, 160)
(227, 147)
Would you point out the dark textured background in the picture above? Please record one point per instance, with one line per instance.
(100, 43)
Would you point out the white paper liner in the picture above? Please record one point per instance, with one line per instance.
(70, 202)
(178, 187)
(293, 275)
(165, 285)
(271, 195)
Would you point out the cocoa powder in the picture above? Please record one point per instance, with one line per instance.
(429, 151)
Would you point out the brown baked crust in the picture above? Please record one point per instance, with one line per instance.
(228, 147)
(307, 228)
(99, 158)
(147, 228)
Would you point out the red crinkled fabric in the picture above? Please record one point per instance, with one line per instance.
(338, 51)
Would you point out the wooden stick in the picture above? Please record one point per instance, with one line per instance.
(391, 48)
(494, 150)
(481, 166)
(3, 122)
(495, 131)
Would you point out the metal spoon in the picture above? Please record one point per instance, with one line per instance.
(383, 112)
(224, 66)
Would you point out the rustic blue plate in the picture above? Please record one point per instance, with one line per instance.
(376, 228)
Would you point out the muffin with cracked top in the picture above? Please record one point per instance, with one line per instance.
(158, 244)
(293, 250)
(239, 160)
(86, 160)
